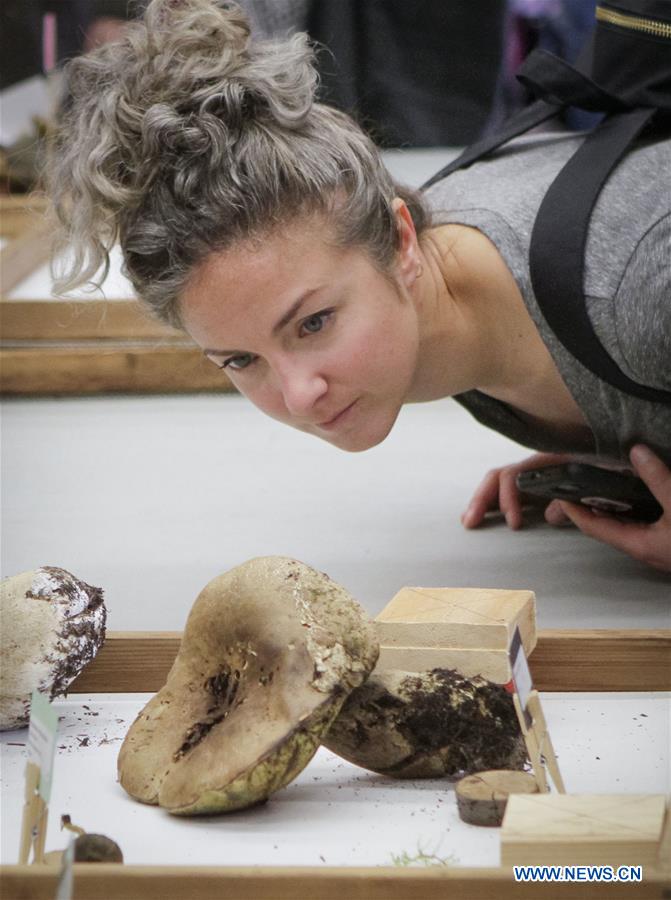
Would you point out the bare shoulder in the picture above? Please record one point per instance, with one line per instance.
(473, 261)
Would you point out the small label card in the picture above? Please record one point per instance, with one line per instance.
(65, 881)
(531, 718)
(520, 668)
(42, 734)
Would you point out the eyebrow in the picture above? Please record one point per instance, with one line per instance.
(279, 325)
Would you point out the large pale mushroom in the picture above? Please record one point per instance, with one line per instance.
(52, 625)
(269, 654)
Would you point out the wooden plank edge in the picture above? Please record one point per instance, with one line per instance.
(22, 255)
(602, 660)
(62, 320)
(33, 202)
(19, 212)
(119, 882)
(80, 371)
(564, 660)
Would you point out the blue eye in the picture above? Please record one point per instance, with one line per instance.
(315, 323)
(238, 362)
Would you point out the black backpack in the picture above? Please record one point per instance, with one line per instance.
(625, 73)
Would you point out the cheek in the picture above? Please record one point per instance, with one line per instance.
(266, 399)
(385, 346)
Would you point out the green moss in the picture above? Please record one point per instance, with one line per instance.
(422, 858)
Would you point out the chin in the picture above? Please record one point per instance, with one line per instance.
(353, 443)
(356, 441)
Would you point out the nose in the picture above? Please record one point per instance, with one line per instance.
(301, 386)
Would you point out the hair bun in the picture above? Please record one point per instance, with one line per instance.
(182, 83)
(185, 136)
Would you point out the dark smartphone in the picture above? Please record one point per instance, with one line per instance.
(616, 493)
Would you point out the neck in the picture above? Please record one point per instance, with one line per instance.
(475, 333)
(474, 330)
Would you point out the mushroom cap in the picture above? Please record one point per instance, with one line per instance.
(53, 624)
(97, 848)
(269, 653)
(433, 724)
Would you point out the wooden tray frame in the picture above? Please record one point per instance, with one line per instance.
(82, 347)
(564, 660)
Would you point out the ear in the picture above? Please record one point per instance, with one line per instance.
(408, 263)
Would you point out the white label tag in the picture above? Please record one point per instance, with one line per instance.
(42, 734)
(64, 890)
(520, 668)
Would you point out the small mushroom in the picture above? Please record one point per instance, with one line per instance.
(270, 651)
(97, 848)
(53, 624)
(429, 725)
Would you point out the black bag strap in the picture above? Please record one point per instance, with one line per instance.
(529, 117)
(557, 250)
(559, 236)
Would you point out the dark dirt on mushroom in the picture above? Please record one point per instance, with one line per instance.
(466, 724)
(223, 687)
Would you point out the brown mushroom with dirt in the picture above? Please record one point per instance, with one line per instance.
(269, 654)
(432, 724)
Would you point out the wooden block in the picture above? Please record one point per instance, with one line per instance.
(458, 617)
(664, 857)
(494, 665)
(584, 829)
(483, 796)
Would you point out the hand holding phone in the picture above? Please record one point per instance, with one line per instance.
(648, 542)
(616, 493)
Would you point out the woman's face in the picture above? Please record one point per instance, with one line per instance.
(313, 334)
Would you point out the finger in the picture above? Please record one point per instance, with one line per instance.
(555, 515)
(650, 468)
(630, 537)
(509, 498)
(484, 499)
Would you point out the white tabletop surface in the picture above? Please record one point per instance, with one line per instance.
(334, 813)
(151, 497)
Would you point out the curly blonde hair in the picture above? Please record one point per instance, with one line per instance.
(185, 136)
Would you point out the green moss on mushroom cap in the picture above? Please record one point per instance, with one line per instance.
(270, 652)
(428, 725)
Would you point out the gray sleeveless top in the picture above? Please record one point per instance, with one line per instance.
(627, 282)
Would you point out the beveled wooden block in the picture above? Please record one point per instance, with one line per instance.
(585, 829)
(476, 618)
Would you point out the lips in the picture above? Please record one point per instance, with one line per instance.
(329, 423)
